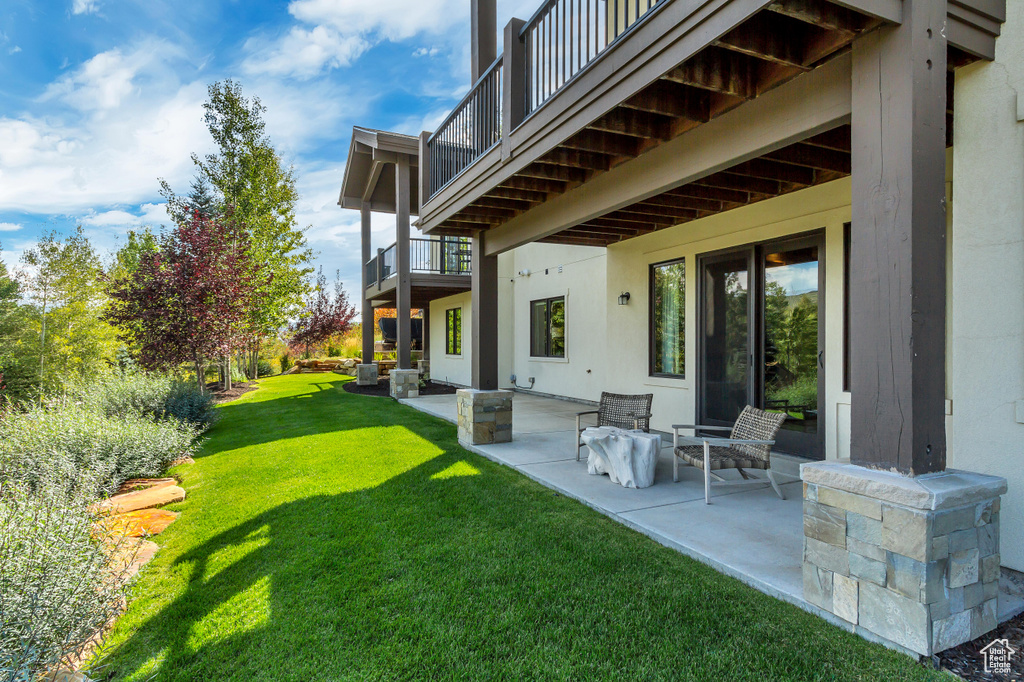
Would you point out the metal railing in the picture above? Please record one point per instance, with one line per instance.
(564, 36)
(469, 131)
(445, 256)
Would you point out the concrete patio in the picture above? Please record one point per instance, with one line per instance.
(747, 533)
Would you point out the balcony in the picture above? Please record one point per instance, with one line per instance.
(587, 86)
(437, 268)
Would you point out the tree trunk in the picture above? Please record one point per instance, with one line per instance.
(200, 375)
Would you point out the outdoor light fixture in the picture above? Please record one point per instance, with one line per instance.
(624, 298)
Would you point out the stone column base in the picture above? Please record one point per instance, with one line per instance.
(424, 369)
(366, 375)
(911, 560)
(405, 383)
(485, 417)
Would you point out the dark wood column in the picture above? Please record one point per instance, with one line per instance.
(483, 18)
(898, 244)
(367, 307)
(426, 333)
(403, 288)
(485, 317)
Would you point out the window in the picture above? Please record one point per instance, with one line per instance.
(668, 319)
(547, 328)
(453, 331)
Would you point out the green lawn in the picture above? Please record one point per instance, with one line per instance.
(330, 536)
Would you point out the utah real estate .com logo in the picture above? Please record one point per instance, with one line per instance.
(998, 655)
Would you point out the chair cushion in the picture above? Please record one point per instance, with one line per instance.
(722, 457)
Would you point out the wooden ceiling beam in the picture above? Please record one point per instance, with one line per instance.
(560, 238)
(510, 193)
(812, 157)
(531, 184)
(588, 228)
(718, 70)
(608, 221)
(635, 123)
(543, 171)
(726, 180)
(824, 15)
(837, 138)
(576, 158)
(627, 216)
(671, 99)
(705, 192)
(603, 143)
(676, 201)
(763, 38)
(517, 205)
(774, 170)
(491, 214)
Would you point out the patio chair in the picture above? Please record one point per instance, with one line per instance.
(622, 411)
(748, 446)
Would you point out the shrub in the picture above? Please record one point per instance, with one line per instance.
(157, 396)
(264, 368)
(286, 362)
(60, 442)
(58, 585)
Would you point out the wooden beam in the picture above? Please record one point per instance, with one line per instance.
(635, 123)
(531, 184)
(628, 217)
(821, 14)
(367, 307)
(589, 228)
(761, 37)
(671, 99)
(576, 158)
(508, 204)
(678, 201)
(837, 138)
(570, 240)
(744, 183)
(898, 247)
(722, 71)
(704, 192)
(549, 172)
(812, 157)
(484, 326)
(490, 213)
(774, 170)
(603, 143)
(510, 193)
(403, 254)
(605, 221)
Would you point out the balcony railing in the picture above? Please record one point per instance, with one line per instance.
(445, 256)
(561, 40)
(564, 36)
(469, 131)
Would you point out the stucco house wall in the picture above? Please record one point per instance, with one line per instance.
(987, 276)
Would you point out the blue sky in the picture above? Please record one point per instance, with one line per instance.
(100, 98)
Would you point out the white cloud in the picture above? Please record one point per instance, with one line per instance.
(14, 50)
(84, 6)
(303, 53)
(9, 227)
(426, 52)
(149, 214)
(390, 19)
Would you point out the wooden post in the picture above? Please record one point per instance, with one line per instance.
(485, 316)
(898, 247)
(367, 306)
(483, 15)
(424, 171)
(513, 65)
(403, 287)
(426, 333)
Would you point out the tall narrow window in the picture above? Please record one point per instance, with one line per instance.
(547, 328)
(668, 319)
(453, 331)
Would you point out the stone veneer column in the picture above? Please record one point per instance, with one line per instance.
(484, 416)
(423, 366)
(405, 383)
(366, 375)
(911, 560)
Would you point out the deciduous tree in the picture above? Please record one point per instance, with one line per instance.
(323, 316)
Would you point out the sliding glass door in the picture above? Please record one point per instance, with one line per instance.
(762, 339)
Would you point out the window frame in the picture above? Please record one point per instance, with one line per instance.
(650, 319)
(452, 341)
(547, 335)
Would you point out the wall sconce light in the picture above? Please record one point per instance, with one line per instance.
(624, 298)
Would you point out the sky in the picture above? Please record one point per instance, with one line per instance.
(99, 99)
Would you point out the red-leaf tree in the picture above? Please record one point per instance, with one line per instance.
(186, 302)
(322, 317)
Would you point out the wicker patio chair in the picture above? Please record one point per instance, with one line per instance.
(748, 446)
(622, 411)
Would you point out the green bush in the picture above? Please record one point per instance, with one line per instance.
(157, 396)
(264, 368)
(62, 442)
(58, 585)
(286, 362)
